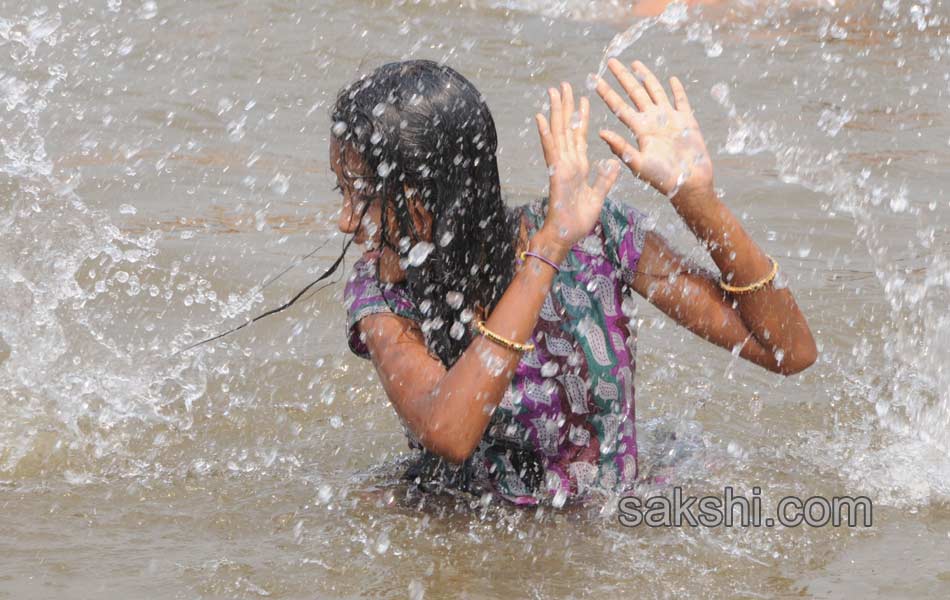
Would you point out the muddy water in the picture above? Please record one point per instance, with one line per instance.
(160, 160)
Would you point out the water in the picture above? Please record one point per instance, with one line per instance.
(160, 160)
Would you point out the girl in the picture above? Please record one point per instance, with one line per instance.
(502, 336)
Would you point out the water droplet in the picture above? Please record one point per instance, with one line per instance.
(592, 245)
(899, 202)
(382, 543)
(675, 13)
(549, 369)
(720, 93)
(591, 82)
(430, 324)
(576, 120)
(279, 184)
(379, 109)
(236, 129)
(125, 46)
(628, 307)
(339, 128)
(832, 120)
(298, 531)
(416, 591)
(384, 169)
(419, 253)
(148, 10)
(734, 449)
(891, 7)
(455, 299)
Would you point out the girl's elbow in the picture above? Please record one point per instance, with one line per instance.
(798, 362)
(448, 443)
(458, 455)
(453, 451)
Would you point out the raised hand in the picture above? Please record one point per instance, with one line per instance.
(574, 206)
(670, 154)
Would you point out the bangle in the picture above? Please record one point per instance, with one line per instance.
(511, 345)
(540, 257)
(748, 289)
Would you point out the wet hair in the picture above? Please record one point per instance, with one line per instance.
(421, 128)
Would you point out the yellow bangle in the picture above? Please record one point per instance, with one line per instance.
(748, 289)
(480, 326)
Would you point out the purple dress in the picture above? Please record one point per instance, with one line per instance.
(565, 427)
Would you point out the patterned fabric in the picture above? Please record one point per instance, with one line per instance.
(565, 427)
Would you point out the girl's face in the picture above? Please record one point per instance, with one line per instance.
(355, 181)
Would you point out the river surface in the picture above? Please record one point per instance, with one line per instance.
(160, 160)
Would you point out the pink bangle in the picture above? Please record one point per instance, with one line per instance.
(538, 256)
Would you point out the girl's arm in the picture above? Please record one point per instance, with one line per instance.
(672, 157)
(449, 410)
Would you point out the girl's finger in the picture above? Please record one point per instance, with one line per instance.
(630, 84)
(623, 150)
(616, 104)
(679, 95)
(547, 140)
(557, 121)
(580, 132)
(606, 178)
(567, 95)
(651, 83)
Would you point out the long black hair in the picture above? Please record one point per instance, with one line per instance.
(420, 127)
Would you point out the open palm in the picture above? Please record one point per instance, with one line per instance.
(574, 205)
(670, 154)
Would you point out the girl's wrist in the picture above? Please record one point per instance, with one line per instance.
(550, 244)
(694, 196)
(703, 212)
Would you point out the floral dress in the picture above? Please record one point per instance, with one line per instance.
(565, 427)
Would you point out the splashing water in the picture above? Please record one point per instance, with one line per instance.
(158, 161)
(911, 399)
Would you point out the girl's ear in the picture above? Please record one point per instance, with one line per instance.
(420, 217)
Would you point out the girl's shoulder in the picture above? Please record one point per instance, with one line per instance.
(624, 225)
(364, 295)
